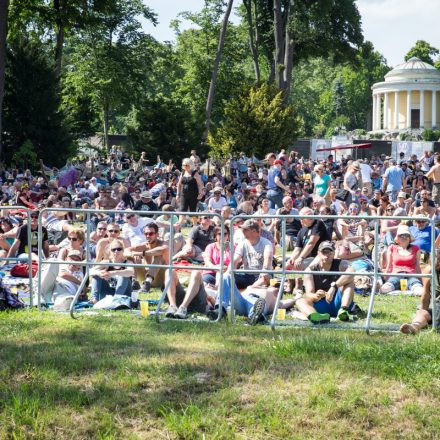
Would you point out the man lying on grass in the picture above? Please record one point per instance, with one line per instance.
(327, 295)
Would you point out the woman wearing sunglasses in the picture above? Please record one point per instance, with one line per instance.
(112, 279)
(403, 257)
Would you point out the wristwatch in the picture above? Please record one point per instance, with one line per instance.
(333, 284)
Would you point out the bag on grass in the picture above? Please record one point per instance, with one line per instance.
(9, 300)
(21, 270)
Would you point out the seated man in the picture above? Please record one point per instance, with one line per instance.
(422, 233)
(192, 300)
(153, 251)
(199, 237)
(327, 295)
(424, 313)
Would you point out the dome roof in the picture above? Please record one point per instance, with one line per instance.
(413, 70)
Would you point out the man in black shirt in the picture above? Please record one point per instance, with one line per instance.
(312, 233)
(145, 203)
(327, 295)
(20, 245)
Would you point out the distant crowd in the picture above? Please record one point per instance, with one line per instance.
(146, 194)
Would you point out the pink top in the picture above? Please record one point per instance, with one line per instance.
(403, 263)
(212, 253)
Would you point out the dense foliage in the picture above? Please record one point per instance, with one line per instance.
(78, 68)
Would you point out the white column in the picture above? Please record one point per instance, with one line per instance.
(378, 112)
(408, 109)
(434, 108)
(373, 121)
(422, 108)
(385, 111)
(396, 110)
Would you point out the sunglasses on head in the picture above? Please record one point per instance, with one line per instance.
(118, 249)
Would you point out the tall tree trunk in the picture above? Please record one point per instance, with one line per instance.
(60, 38)
(212, 86)
(106, 123)
(4, 4)
(254, 51)
(279, 43)
(288, 54)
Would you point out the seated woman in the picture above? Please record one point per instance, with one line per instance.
(112, 279)
(403, 257)
(352, 229)
(212, 255)
(424, 313)
(7, 235)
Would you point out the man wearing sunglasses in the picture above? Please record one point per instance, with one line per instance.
(152, 251)
(21, 245)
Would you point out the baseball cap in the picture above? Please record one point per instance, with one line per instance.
(326, 245)
(146, 194)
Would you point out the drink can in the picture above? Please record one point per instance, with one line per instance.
(403, 284)
(281, 314)
(144, 308)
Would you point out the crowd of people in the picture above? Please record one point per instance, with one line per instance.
(147, 196)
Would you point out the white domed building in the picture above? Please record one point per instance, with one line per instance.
(409, 98)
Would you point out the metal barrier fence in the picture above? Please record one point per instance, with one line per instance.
(170, 267)
(29, 245)
(283, 272)
(375, 274)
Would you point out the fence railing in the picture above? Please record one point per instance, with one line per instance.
(88, 263)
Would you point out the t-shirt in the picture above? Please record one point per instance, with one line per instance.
(394, 176)
(318, 228)
(23, 237)
(273, 172)
(135, 234)
(253, 255)
(212, 252)
(366, 172)
(202, 237)
(422, 237)
(69, 286)
(140, 205)
(215, 205)
(321, 184)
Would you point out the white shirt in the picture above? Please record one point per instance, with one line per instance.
(135, 234)
(366, 172)
(215, 205)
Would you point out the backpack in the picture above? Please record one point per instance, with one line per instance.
(9, 300)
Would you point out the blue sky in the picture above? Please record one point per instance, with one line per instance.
(392, 25)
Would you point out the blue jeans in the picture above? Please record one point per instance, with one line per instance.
(209, 278)
(243, 280)
(243, 303)
(275, 198)
(395, 281)
(101, 287)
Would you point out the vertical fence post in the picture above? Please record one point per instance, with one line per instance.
(40, 260)
(222, 267)
(232, 293)
(375, 276)
(433, 278)
(29, 238)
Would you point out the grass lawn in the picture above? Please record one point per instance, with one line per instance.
(117, 375)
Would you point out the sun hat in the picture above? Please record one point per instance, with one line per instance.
(74, 253)
(404, 229)
(356, 165)
(146, 194)
(402, 194)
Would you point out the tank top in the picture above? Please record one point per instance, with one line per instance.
(189, 186)
(401, 263)
(324, 281)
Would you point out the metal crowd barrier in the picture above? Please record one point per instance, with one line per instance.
(375, 274)
(88, 262)
(29, 240)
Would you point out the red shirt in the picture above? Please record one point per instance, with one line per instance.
(400, 263)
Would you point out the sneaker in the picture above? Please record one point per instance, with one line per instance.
(135, 285)
(146, 286)
(343, 315)
(257, 313)
(319, 318)
(182, 313)
(213, 314)
(171, 311)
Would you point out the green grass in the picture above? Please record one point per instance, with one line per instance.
(117, 375)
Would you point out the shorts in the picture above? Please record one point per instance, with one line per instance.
(332, 308)
(198, 304)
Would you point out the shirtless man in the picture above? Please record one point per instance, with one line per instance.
(105, 201)
(152, 251)
(434, 175)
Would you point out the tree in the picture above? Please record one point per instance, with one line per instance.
(4, 5)
(162, 127)
(213, 84)
(32, 107)
(424, 51)
(25, 156)
(256, 121)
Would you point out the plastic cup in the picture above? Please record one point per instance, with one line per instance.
(403, 284)
(281, 314)
(272, 282)
(144, 308)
